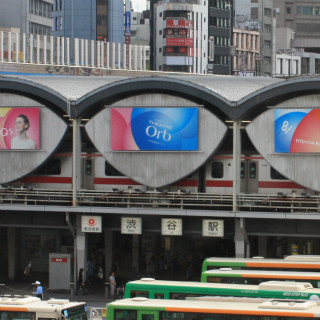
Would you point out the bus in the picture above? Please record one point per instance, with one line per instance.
(227, 275)
(293, 263)
(180, 290)
(162, 309)
(33, 308)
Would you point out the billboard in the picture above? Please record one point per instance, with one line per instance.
(154, 129)
(19, 128)
(297, 130)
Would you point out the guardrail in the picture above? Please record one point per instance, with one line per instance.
(155, 199)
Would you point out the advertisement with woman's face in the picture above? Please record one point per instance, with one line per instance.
(19, 128)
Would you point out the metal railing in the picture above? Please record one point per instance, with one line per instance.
(71, 52)
(157, 199)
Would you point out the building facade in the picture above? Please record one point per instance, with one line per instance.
(30, 16)
(101, 20)
(220, 36)
(258, 15)
(247, 47)
(180, 36)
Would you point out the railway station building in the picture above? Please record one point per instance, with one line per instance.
(146, 175)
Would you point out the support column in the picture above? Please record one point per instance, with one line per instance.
(76, 160)
(236, 162)
(108, 244)
(81, 247)
(240, 239)
(135, 255)
(11, 252)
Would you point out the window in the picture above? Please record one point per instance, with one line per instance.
(274, 174)
(253, 170)
(109, 170)
(288, 10)
(217, 170)
(52, 167)
(160, 32)
(242, 171)
(267, 12)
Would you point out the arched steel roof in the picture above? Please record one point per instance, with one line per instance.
(232, 97)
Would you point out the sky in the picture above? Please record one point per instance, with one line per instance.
(138, 5)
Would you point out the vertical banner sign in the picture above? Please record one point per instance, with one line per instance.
(91, 224)
(212, 228)
(171, 227)
(131, 225)
(297, 130)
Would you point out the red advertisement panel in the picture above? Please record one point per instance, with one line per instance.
(183, 42)
(174, 23)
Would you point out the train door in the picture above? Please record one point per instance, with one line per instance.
(249, 176)
(88, 173)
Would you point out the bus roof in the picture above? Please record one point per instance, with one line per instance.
(275, 273)
(304, 308)
(30, 303)
(267, 285)
(292, 259)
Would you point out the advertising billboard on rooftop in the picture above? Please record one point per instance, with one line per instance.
(154, 129)
(297, 130)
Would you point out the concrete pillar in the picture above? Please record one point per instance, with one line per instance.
(11, 253)
(135, 254)
(108, 244)
(262, 246)
(76, 160)
(236, 162)
(81, 246)
(240, 238)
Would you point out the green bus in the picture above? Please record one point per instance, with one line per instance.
(292, 263)
(180, 290)
(227, 275)
(163, 309)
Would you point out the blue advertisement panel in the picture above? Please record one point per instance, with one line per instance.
(297, 130)
(127, 22)
(154, 129)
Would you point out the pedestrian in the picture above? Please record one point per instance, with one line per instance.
(28, 271)
(120, 291)
(80, 282)
(113, 283)
(39, 290)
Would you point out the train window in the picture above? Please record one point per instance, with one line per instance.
(88, 167)
(276, 175)
(253, 170)
(217, 170)
(242, 170)
(109, 170)
(51, 167)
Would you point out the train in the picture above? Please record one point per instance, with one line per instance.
(213, 177)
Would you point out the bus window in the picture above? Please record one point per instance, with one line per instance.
(11, 315)
(159, 295)
(125, 315)
(136, 293)
(217, 170)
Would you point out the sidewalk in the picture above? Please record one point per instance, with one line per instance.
(95, 296)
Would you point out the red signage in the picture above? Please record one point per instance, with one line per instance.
(183, 42)
(59, 259)
(179, 24)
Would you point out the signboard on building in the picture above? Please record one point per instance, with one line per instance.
(297, 130)
(154, 129)
(212, 228)
(19, 128)
(131, 225)
(188, 42)
(176, 24)
(91, 224)
(171, 227)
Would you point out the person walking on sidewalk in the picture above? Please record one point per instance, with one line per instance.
(80, 283)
